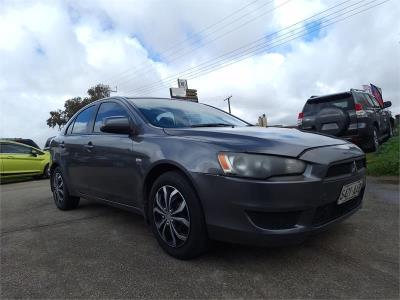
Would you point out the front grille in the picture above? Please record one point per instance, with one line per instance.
(274, 220)
(332, 211)
(345, 168)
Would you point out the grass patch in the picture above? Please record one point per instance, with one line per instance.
(386, 160)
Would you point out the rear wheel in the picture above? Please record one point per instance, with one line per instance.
(176, 216)
(62, 198)
(46, 172)
(390, 130)
(374, 140)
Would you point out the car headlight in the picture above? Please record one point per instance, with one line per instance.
(259, 166)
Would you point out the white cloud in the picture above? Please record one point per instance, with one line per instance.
(53, 50)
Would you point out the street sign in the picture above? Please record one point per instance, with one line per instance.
(182, 83)
(191, 94)
(177, 92)
(182, 92)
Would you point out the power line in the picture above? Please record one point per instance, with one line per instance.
(193, 35)
(147, 69)
(202, 73)
(260, 46)
(231, 54)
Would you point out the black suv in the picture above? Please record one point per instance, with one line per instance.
(355, 116)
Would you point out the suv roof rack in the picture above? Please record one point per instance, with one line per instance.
(358, 90)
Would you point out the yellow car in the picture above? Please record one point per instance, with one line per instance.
(18, 160)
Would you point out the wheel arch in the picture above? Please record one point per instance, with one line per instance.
(375, 124)
(155, 172)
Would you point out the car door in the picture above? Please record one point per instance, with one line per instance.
(19, 159)
(113, 170)
(380, 115)
(76, 152)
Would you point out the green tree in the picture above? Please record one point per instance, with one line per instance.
(71, 106)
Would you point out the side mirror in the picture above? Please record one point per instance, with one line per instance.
(387, 104)
(119, 125)
(34, 152)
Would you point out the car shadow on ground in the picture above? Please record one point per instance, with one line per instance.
(19, 180)
(219, 251)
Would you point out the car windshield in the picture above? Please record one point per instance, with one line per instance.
(168, 113)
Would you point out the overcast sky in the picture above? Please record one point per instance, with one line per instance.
(53, 50)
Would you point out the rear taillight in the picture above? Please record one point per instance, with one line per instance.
(359, 110)
(300, 118)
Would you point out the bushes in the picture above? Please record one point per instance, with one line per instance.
(386, 160)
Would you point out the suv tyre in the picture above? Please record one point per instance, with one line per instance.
(374, 142)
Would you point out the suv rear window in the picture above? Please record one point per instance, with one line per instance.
(313, 106)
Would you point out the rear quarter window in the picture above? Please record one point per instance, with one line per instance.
(363, 100)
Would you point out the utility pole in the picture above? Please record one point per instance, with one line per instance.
(229, 103)
(115, 91)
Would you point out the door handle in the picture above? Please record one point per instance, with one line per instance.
(89, 146)
(62, 144)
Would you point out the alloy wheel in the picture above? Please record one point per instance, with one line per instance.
(58, 187)
(171, 216)
(376, 140)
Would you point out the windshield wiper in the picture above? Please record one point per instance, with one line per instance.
(213, 125)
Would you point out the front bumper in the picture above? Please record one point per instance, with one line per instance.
(273, 212)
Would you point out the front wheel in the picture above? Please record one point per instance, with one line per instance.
(62, 198)
(176, 216)
(374, 140)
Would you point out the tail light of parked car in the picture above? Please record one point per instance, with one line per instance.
(360, 112)
(300, 118)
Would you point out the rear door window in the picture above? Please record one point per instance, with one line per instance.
(363, 100)
(373, 101)
(313, 106)
(107, 110)
(14, 149)
(82, 121)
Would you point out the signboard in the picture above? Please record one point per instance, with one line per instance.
(182, 92)
(182, 83)
(177, 92)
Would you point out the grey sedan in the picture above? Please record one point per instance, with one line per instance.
(197, 173)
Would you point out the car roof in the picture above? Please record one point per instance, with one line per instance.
(16, 143)
(28, 142)
(336, 95)
(329, 96)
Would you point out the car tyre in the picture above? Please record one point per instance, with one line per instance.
(46, 172)
(373, 142)
(390, 132)
(176, 216)
(61, 195)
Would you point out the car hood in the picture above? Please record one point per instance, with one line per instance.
(271, 140)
